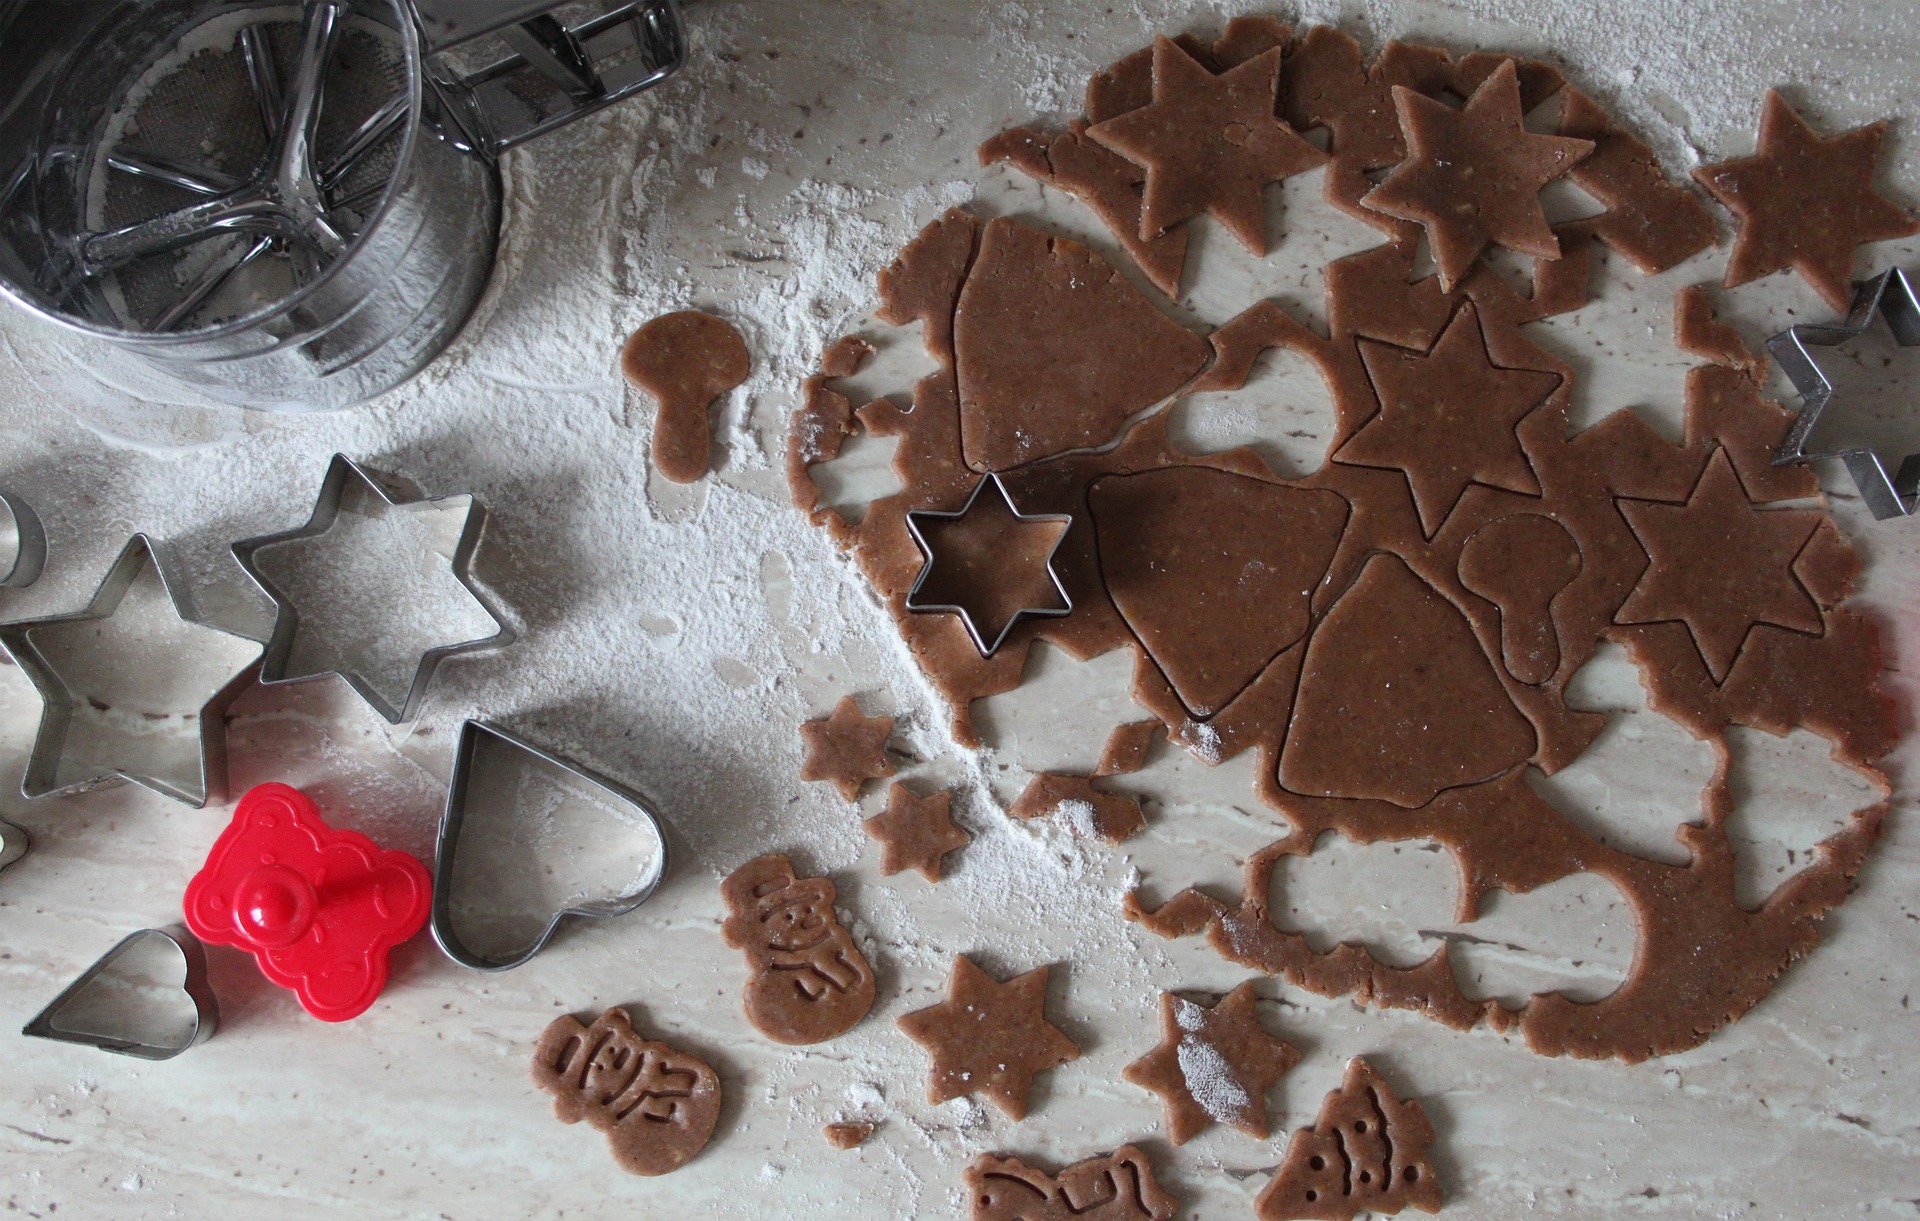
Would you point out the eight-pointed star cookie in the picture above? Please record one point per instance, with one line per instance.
(989, 1037)
(1473, 176)
(1447, 417)
(917, 832)
(1805, 201)
(1209, 143)
(1720, 565)
(1214, 1065)
(846, 748)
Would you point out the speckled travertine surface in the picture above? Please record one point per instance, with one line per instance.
(675, 637)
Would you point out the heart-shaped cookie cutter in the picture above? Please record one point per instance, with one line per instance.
(453, 820)
(206, 1009)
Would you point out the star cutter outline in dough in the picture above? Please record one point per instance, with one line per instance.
(286, 617)
(194, 982)
(916, 516)
(29, 544)
(447, 846)
(1891, 294)
(58, 701)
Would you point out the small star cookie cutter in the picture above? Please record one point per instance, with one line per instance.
(1891, 294)
(194, 982)
(29, 544)
(453, 819)
(342, 472)
(59, 700)
(987, 648)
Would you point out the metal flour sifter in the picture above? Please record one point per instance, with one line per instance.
(288, 206)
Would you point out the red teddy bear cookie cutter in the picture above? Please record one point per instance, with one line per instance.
(319, 909)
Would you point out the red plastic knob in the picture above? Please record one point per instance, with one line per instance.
(319, 909)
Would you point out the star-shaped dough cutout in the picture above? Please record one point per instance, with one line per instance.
(988, 563)
(916, 832)
(1447, 418)
(1472, 177)
(846, 748)
(989, 1037)
(131, 689)
(1805, 201)
(1209, 144)
(1214, 1065)
(1720, 565)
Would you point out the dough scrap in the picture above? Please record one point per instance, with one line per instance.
(1513, 612)
(809, 982)
(1214, 1064)
(1127, 748)
(1367, 1152)
(989, 1037)
(656, 1104)
(1088, 812)
(1118, 1186)
(1805, 201)
(916, 832)
(847, 1135)
(847, 749)
(685, 360)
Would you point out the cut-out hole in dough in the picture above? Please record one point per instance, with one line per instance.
(861, 474)
(1642, 776)
(1381, 895)
(1026, 726)
(1788, 795)
(1304, 234)
(1575, 936)
(1284, 413)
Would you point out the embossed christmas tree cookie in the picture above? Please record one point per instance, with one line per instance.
(1805, 201)
(810, 982)
(656, 1104)
(1119, 1186)
(989, 1037)
(1366, 1153)
(1214, 1065)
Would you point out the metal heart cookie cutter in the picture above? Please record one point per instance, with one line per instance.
(474, 737)
(193, 982)
(1891, 295)
(342, 473)
(286, 206)
(29, 544)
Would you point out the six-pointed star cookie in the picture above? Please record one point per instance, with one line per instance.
(1473, 176)
(1447, 418)
(1214, 1065)
(1805, 201)
(917, 832)
(847, 748)
(108, 713)
(1720, 565)
(1209, 144)
(989, 1037)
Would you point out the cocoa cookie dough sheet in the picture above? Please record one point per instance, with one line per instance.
(679, 635)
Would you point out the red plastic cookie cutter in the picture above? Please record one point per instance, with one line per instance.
(317, 908)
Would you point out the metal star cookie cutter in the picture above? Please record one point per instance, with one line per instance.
(1891, 294)
(59, 700)
(987, 649)
(29, 544)
(194, 982)
(453, 819)
(341, 472)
